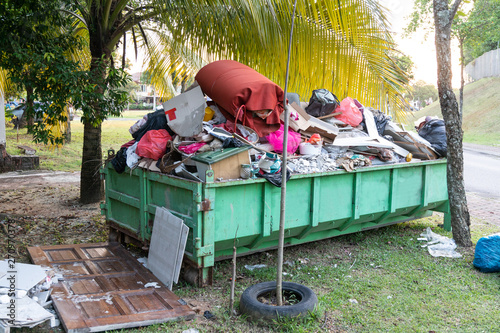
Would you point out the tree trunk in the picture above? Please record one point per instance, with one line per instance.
(29, 117)
(460, 219)
(462, 81)
(67, 138)
(68, 132)
(91, 185)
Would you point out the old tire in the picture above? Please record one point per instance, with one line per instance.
(252, 307)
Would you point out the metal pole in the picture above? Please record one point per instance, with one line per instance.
(281, 241)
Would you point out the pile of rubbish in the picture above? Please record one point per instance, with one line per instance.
(229, 125)
(24, 295)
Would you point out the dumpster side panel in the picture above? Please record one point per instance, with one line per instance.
(240, 211)
(182, 198)
(436, 183)
(373, 189)
(123, 200)
(335, 198)
(318, 206)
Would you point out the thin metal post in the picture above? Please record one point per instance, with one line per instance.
(281, 241)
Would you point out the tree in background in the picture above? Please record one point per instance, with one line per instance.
(444, 16)
(404, 62)
(421, 91)
(34, 58)
(483, 32)
(406, 65)
(341, 45)
(477, 29)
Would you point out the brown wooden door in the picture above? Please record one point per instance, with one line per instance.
(105, 288)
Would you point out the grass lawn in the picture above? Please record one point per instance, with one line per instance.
(69, 157)
(374, 281)
(481, 115)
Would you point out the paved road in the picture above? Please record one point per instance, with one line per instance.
(482, 181)
(482, 171)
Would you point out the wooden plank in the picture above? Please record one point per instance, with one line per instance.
(104, 288)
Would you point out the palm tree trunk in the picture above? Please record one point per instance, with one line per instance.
(91, 185)
(460, 219)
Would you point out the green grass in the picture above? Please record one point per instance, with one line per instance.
(398, 286)
(69, 156)
(481, 119)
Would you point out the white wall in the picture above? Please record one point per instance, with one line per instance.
(486, 65)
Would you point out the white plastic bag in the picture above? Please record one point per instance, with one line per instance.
(439, 246)
(132, 157)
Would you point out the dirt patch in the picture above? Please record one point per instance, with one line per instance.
(43, 209)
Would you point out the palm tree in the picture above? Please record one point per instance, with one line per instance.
(340, 45)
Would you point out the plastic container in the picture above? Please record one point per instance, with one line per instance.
(306, 148)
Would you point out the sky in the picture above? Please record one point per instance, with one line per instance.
(420, 49)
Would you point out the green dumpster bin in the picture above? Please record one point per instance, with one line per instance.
(319, 206)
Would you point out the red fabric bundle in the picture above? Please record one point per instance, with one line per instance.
(153, 144)
(239, 90)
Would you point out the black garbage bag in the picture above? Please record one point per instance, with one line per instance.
(274, 178)
(119, 162)
(321, 103)
(232, 143)
(434, 131)
(381, 119)
(156, 120)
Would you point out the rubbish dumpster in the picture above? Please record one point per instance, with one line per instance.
(319, 206)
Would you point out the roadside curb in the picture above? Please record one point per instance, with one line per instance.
(482, 149)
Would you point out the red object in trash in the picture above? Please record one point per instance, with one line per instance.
(351, 114)
(242, 94)
(314, 139)
(153, 144)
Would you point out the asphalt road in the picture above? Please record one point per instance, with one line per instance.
(482, 171)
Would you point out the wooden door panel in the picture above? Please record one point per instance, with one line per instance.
(104, 288)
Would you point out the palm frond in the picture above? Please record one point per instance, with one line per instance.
(339, 45)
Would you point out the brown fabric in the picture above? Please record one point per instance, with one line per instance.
(239, 90)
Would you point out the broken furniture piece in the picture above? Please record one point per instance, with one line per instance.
(105, 288)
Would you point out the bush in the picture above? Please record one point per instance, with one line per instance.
(141, 106)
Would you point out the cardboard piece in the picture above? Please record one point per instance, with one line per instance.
(371, 126)
(226, 168)
(406, 141)
(166, 250)
(300, 120)
(185, 112)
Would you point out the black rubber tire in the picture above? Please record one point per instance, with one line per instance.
(252, 307)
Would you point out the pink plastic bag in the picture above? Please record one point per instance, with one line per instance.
(153, 144)
(192, 148)
(276, 140)
(351, 114)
